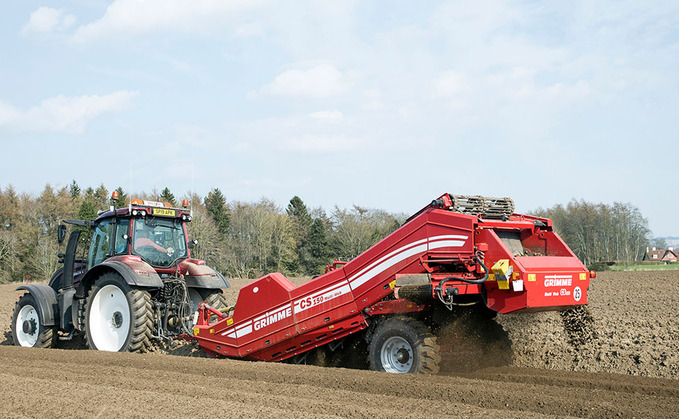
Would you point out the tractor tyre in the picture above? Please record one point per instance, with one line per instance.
(215, 298)
(403, 345)
(118, 318)
(27, 327)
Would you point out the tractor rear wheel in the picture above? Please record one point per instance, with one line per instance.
(212, 297)
(117, 316)
(27, 326)
(215, 298)
(403, 345)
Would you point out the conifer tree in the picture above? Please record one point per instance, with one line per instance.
(90, 205)
(301, 225)
(167, 196)
(318, 247)
(74, 190)
(215, 203)
(122, 196)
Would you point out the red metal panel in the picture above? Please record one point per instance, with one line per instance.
(318, 283)
(261, 295)
(549, 282)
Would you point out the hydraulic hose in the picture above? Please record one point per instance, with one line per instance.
(448, 300)
(466, 280)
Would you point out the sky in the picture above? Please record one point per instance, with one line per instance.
(382, 104)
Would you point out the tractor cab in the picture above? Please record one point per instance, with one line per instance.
(153, 231)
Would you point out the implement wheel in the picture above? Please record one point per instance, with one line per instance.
(117, 316)
(27, 328)
(403, 345)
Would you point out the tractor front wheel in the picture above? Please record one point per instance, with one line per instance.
(27, 326)
(403, 345)
(117, 316)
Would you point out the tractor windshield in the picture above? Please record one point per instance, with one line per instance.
(159, 241)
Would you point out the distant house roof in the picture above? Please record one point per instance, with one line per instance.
(662, 255)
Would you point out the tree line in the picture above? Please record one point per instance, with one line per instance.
(240, 239)
(250, 239)
(601, 233)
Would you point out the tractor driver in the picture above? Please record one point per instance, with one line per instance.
(142, 238)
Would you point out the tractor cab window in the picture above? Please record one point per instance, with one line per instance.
(159, 241)
(122, 229)
(100, 244)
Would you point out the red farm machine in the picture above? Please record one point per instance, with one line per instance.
(459, 253)
(135, 282)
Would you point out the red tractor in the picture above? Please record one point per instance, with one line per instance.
(136, 282)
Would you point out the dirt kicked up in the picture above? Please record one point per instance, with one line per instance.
(520, 365)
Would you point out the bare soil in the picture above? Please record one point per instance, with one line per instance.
(520, 365)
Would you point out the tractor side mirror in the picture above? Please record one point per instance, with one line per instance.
(61, 233)
(193, 243)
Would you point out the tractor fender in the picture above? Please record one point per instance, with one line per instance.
(55, 281)
(46, 298)
(214, 281)
(198, 275)
(140, 274)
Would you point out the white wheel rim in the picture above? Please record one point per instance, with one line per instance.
(27, 315)
(396, 355)
(109, 321)
(195, 299)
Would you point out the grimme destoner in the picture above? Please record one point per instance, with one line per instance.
(458, 253)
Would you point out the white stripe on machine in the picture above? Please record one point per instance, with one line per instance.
(403, 253)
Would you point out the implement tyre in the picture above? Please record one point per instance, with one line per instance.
(118, 318)
(27, 328)
(403, 345)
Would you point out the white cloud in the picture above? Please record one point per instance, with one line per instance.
(130, 17)
(322, 81)
(46, 20)
(62, 113)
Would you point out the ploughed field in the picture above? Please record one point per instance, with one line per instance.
(520, 365)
